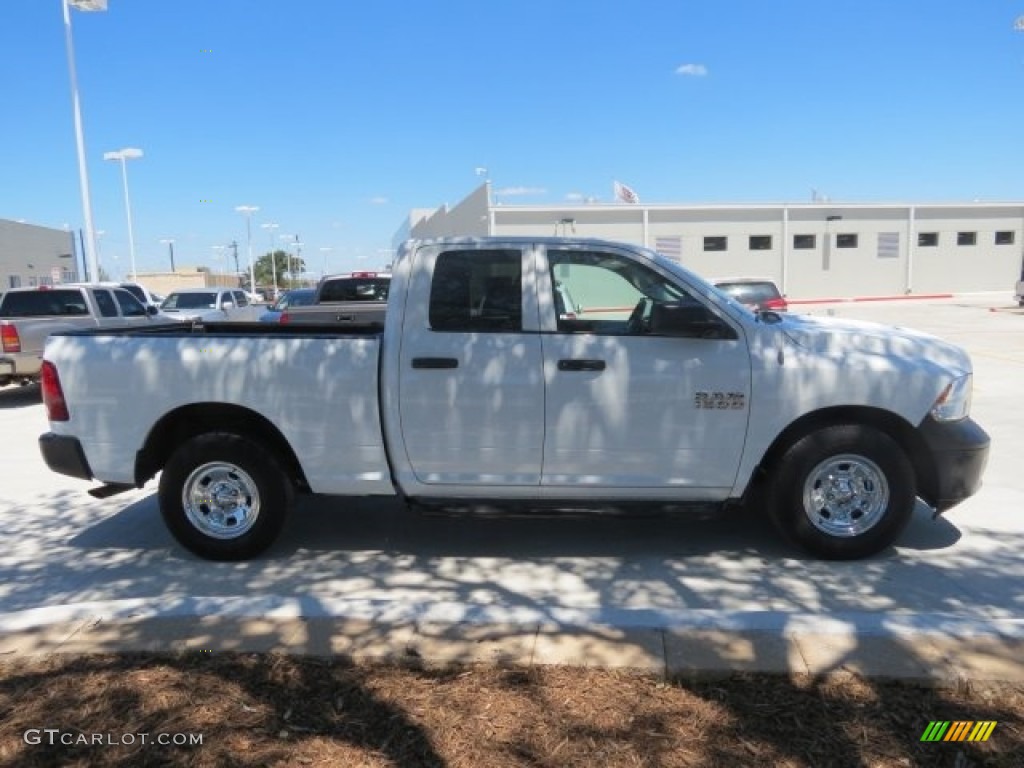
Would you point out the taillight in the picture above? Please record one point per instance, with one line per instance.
(9, 338)
(53, 394)
(285, 318)
(779, 305)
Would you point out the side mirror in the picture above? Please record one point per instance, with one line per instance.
(152, 310)
(688, 321)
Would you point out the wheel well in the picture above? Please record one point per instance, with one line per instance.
(900, 430)
(186, 422)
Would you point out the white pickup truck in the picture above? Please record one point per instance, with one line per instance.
(656, 389)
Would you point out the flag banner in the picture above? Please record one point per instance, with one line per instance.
(624, 194)
(88, 5)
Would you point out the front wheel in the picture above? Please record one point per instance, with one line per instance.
(843, 492)
(224, 496)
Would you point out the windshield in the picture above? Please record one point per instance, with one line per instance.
(190, 301)
(295, 299)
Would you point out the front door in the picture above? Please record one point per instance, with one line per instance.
(630, 404)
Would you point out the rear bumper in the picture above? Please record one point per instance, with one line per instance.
(959, 452)
(64, 455)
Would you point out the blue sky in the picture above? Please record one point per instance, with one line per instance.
(336, 118)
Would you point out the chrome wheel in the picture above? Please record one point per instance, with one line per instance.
(845, 495)
(221, 500)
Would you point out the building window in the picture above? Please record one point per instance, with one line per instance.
(760, 242)
(966, 238)
(848, 240)
(672, 247)
(927, 239)
(888, 245)
(1005, 237)
(716, 243)
(14, 281)
(804, 242)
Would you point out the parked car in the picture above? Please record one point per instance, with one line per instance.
(753, 292)
(300, 297)
(209, 305)
(353, 298)
(674, 395)
(29, 315)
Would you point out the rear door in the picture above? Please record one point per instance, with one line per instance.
(471, 394)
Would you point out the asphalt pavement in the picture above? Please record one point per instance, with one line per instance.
(663, 594)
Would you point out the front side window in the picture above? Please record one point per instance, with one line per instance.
(613, 295)
(130, 306)
(477, 291)
(241, 300)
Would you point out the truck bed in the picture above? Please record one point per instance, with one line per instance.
(317, 386)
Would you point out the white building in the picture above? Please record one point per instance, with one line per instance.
(812, 250)
(31, 255)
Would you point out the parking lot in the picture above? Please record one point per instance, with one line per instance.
(81, 566)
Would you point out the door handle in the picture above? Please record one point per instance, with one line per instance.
(434, 363)
(581, 365)
(343, 318)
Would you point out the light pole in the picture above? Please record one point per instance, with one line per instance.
(288, 254)
(270, 227)
(221, 254)
(124, 155)
(170, 247)
(83, 171)
(248, 211)
(325, 250)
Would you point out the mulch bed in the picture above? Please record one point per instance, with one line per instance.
(275, 710)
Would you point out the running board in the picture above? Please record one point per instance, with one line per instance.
(110, 489)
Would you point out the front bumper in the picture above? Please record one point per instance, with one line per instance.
(64, 455)
(959, 453)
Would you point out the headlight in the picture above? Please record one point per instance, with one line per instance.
(955, 401)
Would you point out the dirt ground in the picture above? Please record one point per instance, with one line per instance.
(274, 710)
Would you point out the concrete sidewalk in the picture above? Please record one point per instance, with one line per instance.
(932, 658)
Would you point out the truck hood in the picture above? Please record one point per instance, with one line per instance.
(839, 337)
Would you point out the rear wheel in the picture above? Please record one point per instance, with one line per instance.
(843, 492)
(224, 496)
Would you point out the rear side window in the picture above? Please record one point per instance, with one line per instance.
(477, 291)
(130, 306)
(58, 303)
(240, 299)
(356, 289)
(105, 302)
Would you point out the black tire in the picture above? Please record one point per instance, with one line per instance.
(241, 470)
(844, 525)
